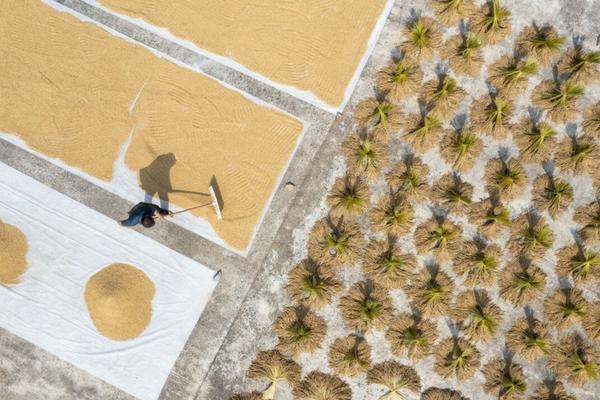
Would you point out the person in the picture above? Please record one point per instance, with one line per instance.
(145, 214)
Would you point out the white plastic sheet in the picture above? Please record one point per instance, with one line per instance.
(68, 243)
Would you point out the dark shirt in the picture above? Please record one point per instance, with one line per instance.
(141, 210)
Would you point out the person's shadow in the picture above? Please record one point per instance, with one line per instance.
(155, 180)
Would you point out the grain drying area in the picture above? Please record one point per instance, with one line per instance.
(407, 200)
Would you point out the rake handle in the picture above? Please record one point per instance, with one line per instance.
(191, 208)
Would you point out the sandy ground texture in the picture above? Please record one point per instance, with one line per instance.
(13, 254)
(313, 45)
(119, 301)
(77, 93)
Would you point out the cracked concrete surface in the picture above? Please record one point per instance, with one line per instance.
(236, 322)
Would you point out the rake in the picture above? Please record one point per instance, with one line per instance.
(216, 203)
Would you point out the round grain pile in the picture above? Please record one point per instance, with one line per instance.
(13, 254)
(119, 300)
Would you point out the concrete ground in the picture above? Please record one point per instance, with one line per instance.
(236, 322)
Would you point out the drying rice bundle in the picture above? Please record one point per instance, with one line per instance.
(430, 293)
(531, 236)
(453, 193)
(490, 216)
(456, 357)
(443, 95)
(451, 12)
(335, 244)
(393, 215)
(411, 336)
(552, 390)
(399, 79)
(504, 379)
(579, 155)
(423, 131)
(395, 377)
(312, 285)
(440, 236)
(460, 148)
(565, 308)
(492, 21)
(274, 367)
(463, 53)
(591, 120)
(492, 116)
(321, 386)
(366, 306)
(506, 178)
(522, 283)
(542, 43)
(386, 265)
(588, 216)
(299, 330)
(365, 155)
(529, 338)
(409, 177)
(511, 75)
(350, 355)
(477, 315)
(423, 38)
(551, 193)
(579, 263)
(575, 361)
(537, 141)
(480, 262)
(380, 116)
(434, 393)
(591, 323)
(559, 100)
(580, 66)
(348, 197)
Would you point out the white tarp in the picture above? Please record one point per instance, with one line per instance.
(68, 243)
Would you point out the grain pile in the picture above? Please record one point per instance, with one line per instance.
(13, 254)
(470, 209)
(119, 301)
